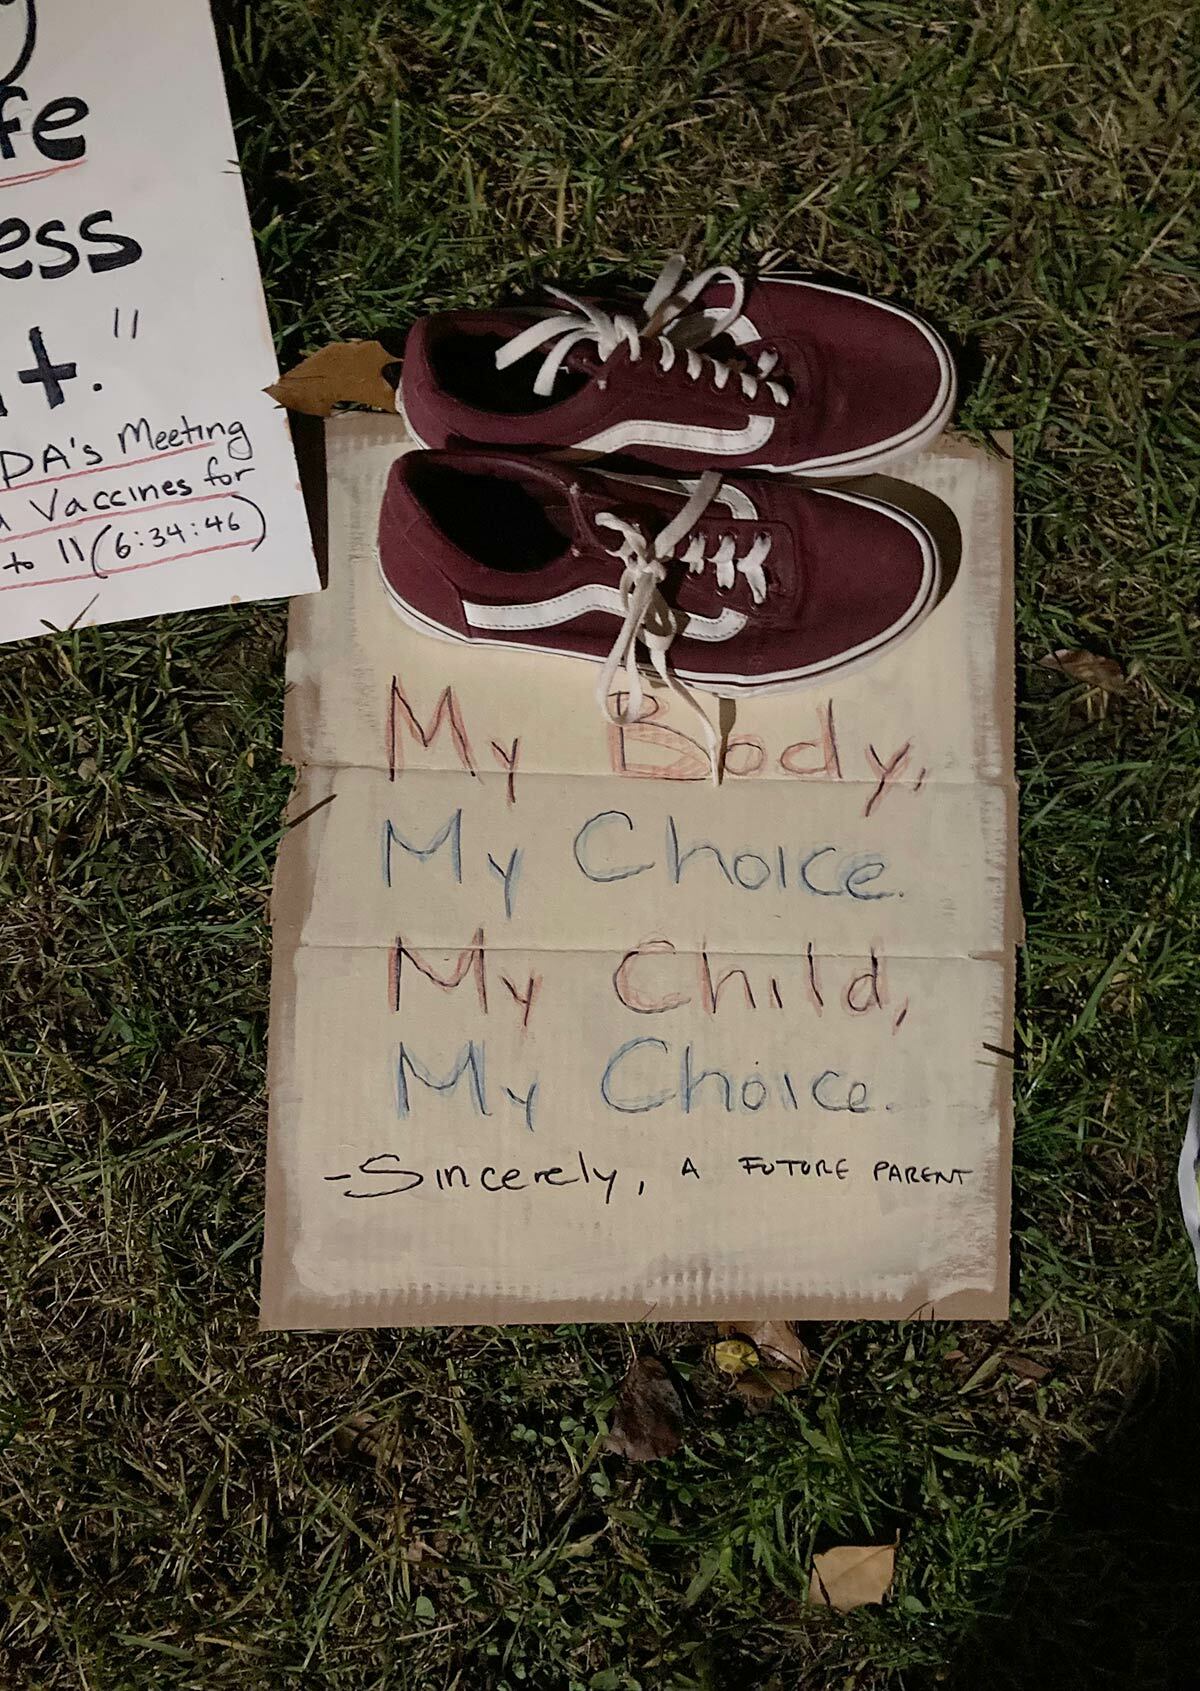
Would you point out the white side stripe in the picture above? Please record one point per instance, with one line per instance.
(682, 437)
(549, 613)
(733, 498)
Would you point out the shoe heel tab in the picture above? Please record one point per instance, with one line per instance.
(409, 468)
(399, 487)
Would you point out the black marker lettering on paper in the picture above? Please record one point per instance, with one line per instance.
(38, 143)
(18, 37)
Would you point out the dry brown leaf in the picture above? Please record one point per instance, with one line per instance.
(348, 373)
(779, 1345)
(784, 1361)
(1027, 1368)
(764, 1386)
(648, 1420)
(850, 1575)
(1104, 674)
(365, 1436)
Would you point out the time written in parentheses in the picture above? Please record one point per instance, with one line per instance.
(97, 547)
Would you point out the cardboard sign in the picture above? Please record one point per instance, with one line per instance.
(142, 469)
(561, 1032)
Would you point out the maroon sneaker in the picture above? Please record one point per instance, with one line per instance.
(752, 587)
(780, 374)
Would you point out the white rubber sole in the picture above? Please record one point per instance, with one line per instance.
(733, 686)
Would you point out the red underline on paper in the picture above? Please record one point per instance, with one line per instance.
(124, 569)
(128, 514)
(39, 175)
(104, 469)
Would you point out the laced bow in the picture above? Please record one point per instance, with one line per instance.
(667, 325)
(648, 616)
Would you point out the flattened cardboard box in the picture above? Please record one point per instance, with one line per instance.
(560, 1032)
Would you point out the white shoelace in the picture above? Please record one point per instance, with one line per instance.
(666, 325)
(650, 619)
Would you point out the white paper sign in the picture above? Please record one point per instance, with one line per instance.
(142, 468)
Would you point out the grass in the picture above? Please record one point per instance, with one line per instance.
(184, 1503)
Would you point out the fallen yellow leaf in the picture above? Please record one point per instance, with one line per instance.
(850, 1575)
(765, 1358)
(348, 373)
(734, 1356)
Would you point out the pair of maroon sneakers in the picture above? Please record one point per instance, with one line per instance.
(498, 534)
